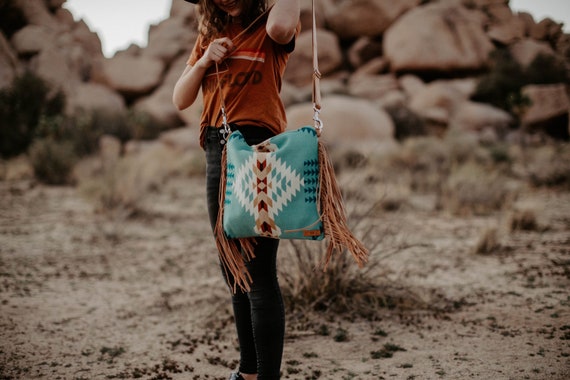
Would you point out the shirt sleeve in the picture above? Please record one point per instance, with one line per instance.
(197, 52)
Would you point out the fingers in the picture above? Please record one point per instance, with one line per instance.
(220, 48)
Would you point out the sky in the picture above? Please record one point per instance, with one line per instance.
(120, 23)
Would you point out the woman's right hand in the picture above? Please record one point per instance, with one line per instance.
(218, 50)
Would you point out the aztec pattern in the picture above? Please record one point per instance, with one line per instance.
(272, 187)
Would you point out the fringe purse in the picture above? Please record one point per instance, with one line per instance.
(282, 188)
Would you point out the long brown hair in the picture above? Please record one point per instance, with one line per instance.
(213, 21)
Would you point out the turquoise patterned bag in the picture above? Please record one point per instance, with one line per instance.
(272, 188)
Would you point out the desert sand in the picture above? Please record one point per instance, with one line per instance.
(86, 294)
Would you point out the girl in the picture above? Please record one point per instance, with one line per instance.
(240, 57)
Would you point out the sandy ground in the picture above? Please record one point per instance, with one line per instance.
(91, 296)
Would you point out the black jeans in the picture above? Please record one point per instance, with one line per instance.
(259, 314)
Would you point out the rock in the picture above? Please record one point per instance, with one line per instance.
(374, 66)
(8, 62)
(548, 102)
(53, 66)
(300, 67)
(347, 121)
(94, 96)
(437, 37)
(88, 40)
(546, 30)
(476, 117)
(159, 104)
(350, 19)
(168, 39)
(130, 76)
(306, 15)
(507, 32)
(181, 139)
(394, 98)
(525, 51)
(411, 84)
(439, 94)
(31, 39)
(372, 86)
(527, 21)
(364, 50)
(36, 13)
(64, 17)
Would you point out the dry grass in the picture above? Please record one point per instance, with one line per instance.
(488, 242)
(119, 186)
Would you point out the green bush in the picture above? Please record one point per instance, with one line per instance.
(22, 106)
(52, 160)
(502, 86)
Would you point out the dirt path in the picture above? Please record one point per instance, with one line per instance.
(86, 296)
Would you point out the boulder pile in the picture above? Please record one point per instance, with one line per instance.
(377, 57)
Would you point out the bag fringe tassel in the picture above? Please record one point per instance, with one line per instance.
(234, 253)
(333, 213)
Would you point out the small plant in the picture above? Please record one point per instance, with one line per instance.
(341, 335)
(488, 242)
(52, 160)
(472, 189)
(523, 220)
(406, 122)
(22, 106)
(386, 352)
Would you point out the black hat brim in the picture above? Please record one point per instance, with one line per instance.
(192, 1)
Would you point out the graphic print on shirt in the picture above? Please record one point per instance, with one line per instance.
(239, 79)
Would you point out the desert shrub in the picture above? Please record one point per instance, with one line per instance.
(549, 166)
(22, 105)
(143, 126)
(546, 69)
(523, 220)
(52, 160)
(426, 160)
(472, 189)
(407, 123)
(117, 188)
(488, 242)
(502, 86)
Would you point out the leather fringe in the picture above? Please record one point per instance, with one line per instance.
(333, 214)
(234, 253)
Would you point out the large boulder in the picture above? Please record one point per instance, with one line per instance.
(54, 67)
(31, 39)
(300, 67)
(131, 76)
(347, 120)
(525, 51)
(159, 104)
(364, 50)
(37, 13)
(356, 18)
(94, 96)
(168, 39)
(438, 37)
(477, 117)
(372, 86)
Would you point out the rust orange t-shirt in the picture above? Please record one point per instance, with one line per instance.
(250, 79)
